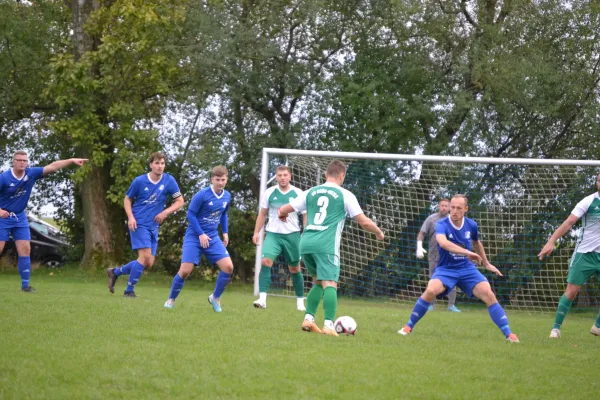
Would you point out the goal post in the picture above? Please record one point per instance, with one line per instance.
(517, 203)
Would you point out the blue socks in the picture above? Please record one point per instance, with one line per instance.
(137, 270)
(24, 265)
(499, 317)
(176, 286)
(222, 281)
(125, 269)
(134, 269)
(421, 307)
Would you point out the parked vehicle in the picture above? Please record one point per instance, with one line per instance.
(48, 244)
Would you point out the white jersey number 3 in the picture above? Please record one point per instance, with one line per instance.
(323, 202)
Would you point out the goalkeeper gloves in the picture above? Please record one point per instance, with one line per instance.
(420, 250)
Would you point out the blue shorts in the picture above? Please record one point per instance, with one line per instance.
(15, 224)
(192, 251)
(465, 278)
(144, 238)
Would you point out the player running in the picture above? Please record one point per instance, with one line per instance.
(208, 209)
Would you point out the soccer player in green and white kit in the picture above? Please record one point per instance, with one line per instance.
(327, 206)
(585, 261)
(282, 237)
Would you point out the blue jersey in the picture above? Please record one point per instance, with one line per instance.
(462, 237)
(150, 197)
(208, 210)
(15, 193)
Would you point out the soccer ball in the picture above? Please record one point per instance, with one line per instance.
(345, 325)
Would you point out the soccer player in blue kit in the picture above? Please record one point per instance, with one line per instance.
(149, 193)
(15, 189)
(208, 210)
(457, 236)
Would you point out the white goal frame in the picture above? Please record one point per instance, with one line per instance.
(268, 152)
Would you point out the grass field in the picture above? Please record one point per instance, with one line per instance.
(74, 340)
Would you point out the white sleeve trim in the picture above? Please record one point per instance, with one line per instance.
(351, 204)
(299, 203)
(299, 192)
(264, 203)
(582, 207)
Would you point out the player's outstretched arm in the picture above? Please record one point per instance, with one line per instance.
(558, 233)
(60, 164)
(260, 223)
(478, 247)
(368, 225)
(454, 248)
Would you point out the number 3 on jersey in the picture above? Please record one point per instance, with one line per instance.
(323, 202)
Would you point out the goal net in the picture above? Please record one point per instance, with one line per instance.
(517, 203)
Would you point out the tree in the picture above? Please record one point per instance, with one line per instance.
(108, 90)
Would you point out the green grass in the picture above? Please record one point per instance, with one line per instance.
(74, 340)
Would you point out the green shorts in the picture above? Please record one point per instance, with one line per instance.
(326, 267)
(582, 266)
(288, 244)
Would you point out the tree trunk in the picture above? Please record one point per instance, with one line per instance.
(101, 219)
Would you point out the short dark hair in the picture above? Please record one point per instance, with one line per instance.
(335, 169)
(156, 156)
(219, 170)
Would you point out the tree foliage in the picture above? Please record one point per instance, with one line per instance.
(213, 82)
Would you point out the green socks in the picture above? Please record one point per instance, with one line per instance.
(298, 281)
(564, 305)
(313, 299)
(330, 303)
(264, 279)
(598, 321)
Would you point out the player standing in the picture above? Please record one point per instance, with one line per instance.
(281, 237)
(456, 235)
(148, 193)
(15, 189)
(585, 261)
(208, 209)
(428, 230)
(326, 207)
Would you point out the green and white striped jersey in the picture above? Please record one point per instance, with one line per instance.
(588, 210)
(272, 200)
(326, 207)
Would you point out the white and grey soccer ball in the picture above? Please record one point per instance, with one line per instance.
(345, 325)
